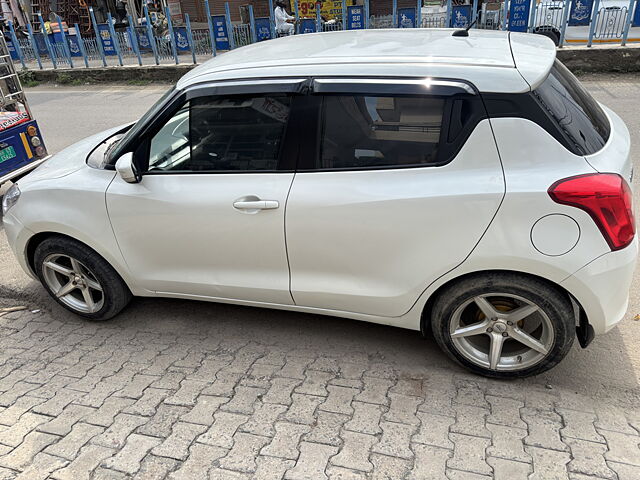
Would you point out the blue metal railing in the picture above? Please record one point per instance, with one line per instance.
(145, 42)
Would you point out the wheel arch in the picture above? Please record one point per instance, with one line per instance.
(38, 238)
(584, 331)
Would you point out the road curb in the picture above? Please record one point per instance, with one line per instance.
(578, 59)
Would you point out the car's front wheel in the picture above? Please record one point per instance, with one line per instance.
(504, 325)
(79, 279)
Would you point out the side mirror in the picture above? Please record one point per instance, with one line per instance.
(126, 169)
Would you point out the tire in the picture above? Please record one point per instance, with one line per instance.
(463, 330)
(93, 272)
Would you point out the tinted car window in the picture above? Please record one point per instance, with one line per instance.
(241, 133)
(379, 131)
(578, 116)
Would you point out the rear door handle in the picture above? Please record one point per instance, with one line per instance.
(256, 204)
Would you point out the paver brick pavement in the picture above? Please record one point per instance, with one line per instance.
(204, 400)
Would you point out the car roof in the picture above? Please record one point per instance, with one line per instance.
(494, 61)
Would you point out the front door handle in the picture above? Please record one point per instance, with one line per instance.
(256, 204)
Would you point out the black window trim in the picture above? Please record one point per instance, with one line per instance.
(392, 86)
(297, 87)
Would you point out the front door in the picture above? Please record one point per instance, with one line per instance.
(207, 219)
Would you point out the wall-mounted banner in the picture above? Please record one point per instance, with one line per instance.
(580, 13)
(355, 17)
(636, 16)
(329, 9)
(263, 29)
(182, 40)
(307, 25)
(519, 15)
(406, 17)
(460, 15)
(74, 46)
(40, 43)
(105, 37)
(220, 32)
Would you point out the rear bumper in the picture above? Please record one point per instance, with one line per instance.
(23, 170)
(602, 287)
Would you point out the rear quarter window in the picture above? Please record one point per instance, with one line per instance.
(578, 117)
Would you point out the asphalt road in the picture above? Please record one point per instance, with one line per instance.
(609, 367)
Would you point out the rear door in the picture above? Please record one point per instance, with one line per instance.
(394, 190)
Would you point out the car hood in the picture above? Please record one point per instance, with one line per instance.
(69, 159)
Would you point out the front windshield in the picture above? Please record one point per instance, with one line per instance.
(116, 152)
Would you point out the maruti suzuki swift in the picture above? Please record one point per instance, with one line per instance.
(463, 185)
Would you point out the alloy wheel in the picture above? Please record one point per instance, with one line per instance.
(73, 283)
(501, 332)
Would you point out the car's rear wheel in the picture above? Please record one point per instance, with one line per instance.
(504, 325)
(79, 279)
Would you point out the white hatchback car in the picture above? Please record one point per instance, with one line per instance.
(467, 185)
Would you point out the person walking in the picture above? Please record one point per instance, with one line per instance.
(284, 21)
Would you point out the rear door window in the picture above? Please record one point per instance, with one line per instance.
(577, 115)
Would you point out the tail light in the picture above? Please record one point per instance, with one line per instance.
(607, 198)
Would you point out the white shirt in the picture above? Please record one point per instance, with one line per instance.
(281, 18)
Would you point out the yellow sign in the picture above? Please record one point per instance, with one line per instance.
(307, 9)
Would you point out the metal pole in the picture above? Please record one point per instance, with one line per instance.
(296, 14)
(227, 15)
(474, 14)
(449, 12)
(344, 14)
(504, 14)
(190, 38)
(65, 45)
(318, 20)
(272, 21)
(52, 54)
(252, 25)
(565, 20)
(630, 13)
(366, 14)
(34, 45)
(594, 19)
(532, 16)
(16, 45)
(83, 51)
(212, 37)
(97, 32)
(114, 39)
(394, 13)
(172, 38)
(134, 39)
(419, 13)
(152, 37)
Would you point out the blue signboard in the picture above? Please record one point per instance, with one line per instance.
(263, 29)
(40, 43)
(74, 46)
(220, 32)
(460, 15)
(636, 16)
(355, 17)
(580, 13)
(144, 43)
(182, 40)
(307, 25)
(105, 37)
(12, 50)
(519, 15)
(406, 17)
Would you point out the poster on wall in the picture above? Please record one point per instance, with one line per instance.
(331, 9)
(175, 10)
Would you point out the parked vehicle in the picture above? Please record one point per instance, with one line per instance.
(468, 186)
(21, 146)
